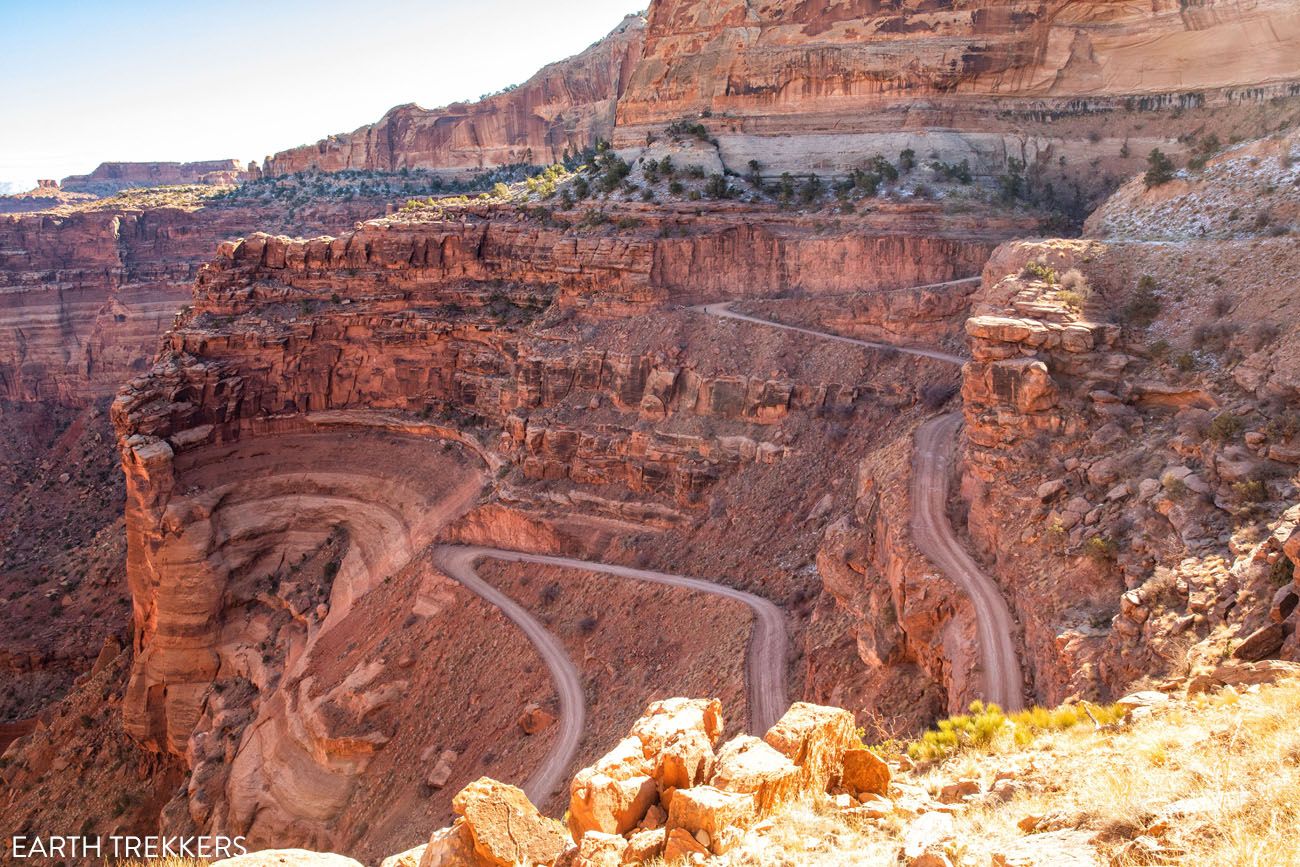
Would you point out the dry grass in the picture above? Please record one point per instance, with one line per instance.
(1214, 780)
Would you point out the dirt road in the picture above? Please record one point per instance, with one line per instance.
(765, 666)
(935, 445)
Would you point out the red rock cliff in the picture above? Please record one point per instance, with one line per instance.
(566, 106)
(819, 85)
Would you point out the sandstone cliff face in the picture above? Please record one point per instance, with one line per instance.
(109, 178)
(805, 86)
(1078, 92)
(567, 106)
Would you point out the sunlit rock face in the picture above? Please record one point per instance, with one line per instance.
(802, 86)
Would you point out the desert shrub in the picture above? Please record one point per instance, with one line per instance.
(1185, 361)
(1214, 336)
(1036, 270)
(1011, 184)
(1224, 427)
(689, 129)
(1250, 491)
(1174, 485)
(1223, 305)
(1144, 305)
(811, 190)
(959, 172)
(1285, 425)
(593, 218)
(1206, 148)
(717, 187)
(986, 727)
(1160, 169)
(1282, 572)
(906, 160)
(1101, 549)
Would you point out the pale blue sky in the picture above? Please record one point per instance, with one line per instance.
(86, 82)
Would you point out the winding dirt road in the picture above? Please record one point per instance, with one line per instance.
(932, 532)
(765, 665)
(935, 445)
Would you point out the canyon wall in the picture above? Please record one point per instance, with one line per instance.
(566, 107)
(85, 295)
(1130, 458)
(802, 86)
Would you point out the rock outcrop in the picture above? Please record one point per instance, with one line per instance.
(1126, 415)
(109, 178)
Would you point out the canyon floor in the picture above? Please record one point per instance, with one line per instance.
(812, 463)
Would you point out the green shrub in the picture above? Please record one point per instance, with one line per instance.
(1225, 426)
(986, 727)
(1036, 270)
(1101, 549)
(1144, 305)
(1160, 169)
(1251, 491)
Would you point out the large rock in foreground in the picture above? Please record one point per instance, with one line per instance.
(815, 738)
(505, 827)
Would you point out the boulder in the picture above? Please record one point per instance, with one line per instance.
(748, 765)
(288, 858)
(450, 846)
(534, 719)
(505, 826)
(1236, 673)
(614, 794)
(597, 849)
(954, 793)
(678, 735)
(663, 720)
(643, 846)
(1051, 849)
(679, 845)
(1263, 643)
(441, 772)
(864, 772)
(1143, 698)
(928, 832)
(815, 738)
(709, 810)
(409, 858)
